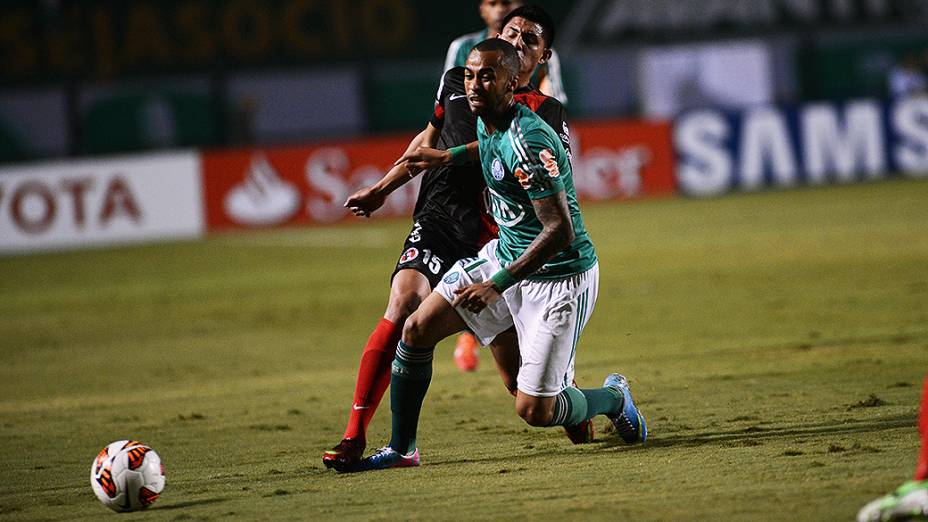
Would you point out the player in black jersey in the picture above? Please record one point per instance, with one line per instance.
(449, 224)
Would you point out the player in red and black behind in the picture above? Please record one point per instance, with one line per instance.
(450, 223)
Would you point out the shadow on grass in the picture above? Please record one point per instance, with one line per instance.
(189, 503)
(754, 433)
(743, 436)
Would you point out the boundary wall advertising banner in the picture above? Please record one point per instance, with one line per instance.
(704, 152)
(53, 206)
(258, 188)
(812, 144)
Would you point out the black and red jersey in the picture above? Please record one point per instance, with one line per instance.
(550, 110)
(457, 192)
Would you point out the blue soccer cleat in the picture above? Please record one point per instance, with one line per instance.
(386, 458)
(628, 421)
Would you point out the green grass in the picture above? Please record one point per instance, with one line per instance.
(754, 329)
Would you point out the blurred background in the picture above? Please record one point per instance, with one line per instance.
(99, 77)
(135, 120)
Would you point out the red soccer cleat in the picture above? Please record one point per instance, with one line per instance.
(582, 433)
(345, 456)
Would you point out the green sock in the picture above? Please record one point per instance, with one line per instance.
(409, 382)
(570, 407)
(601, 400)
(573, 405)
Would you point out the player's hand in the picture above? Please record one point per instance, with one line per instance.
(424, 158)
(476, 297)
(365, 201)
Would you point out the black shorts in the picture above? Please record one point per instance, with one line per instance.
(433, 245)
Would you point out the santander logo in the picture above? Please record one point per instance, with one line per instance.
(262, 198)
(604, 173)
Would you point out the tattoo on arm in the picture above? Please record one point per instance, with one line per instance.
(557, 234)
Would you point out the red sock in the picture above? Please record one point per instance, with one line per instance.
(373, 377)
(921, 472)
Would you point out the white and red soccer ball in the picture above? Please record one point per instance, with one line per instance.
(127, 476)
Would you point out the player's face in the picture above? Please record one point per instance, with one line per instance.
(493, 12)
(487, 83)
(526, 37)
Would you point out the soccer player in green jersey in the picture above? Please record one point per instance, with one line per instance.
(546, 76)
(540, 276)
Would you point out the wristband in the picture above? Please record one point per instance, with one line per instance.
(458, 155)
(503, 280)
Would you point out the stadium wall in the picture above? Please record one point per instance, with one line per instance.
(704, 152)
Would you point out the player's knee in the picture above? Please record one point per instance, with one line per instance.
(534, 414)
(414, 331)
(404, 302)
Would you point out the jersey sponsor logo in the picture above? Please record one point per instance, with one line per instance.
(452, 277)
(506, 214)
(409, 255)
(456, 97)
(547, 157)
(497, 170)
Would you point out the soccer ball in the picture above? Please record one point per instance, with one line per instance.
(127, 476)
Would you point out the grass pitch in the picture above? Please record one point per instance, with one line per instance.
(775, 342)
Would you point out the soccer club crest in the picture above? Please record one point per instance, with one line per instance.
(409, 255)
(497, 170)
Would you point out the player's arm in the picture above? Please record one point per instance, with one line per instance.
(425, 157)
(540, 176)
(556, 235)
(427, 138)
(369, 199)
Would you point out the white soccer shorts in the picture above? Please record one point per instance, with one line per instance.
(549, 316)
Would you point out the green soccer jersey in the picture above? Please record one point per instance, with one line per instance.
(523, 162)
(460, 48)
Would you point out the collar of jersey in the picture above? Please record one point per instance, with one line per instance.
(527, 88)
